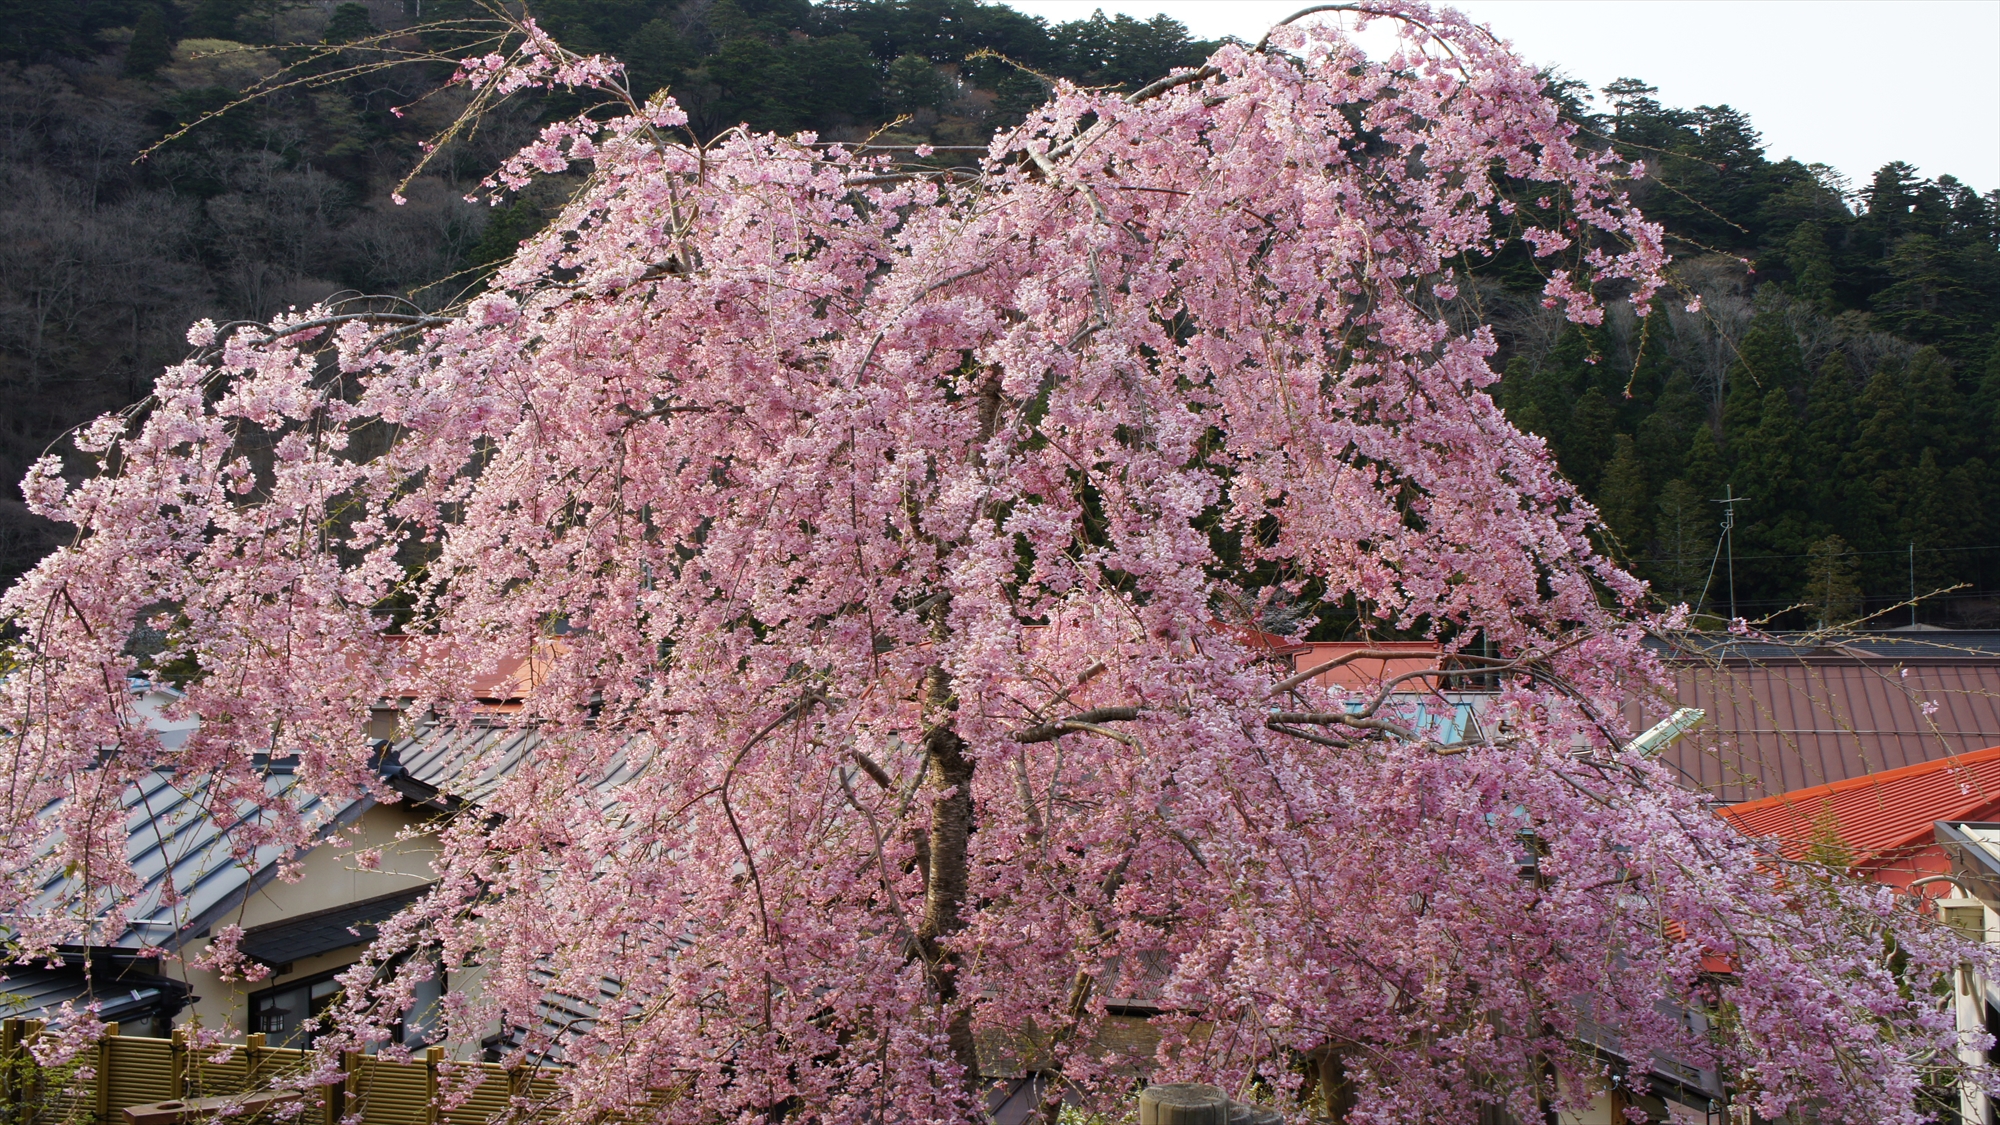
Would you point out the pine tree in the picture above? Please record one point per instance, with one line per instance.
(1833, 586)
(150, 49)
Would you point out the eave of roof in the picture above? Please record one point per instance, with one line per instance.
(1881, 816)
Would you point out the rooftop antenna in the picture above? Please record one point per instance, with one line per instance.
(1729, 501)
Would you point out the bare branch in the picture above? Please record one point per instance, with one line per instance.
(873, 769)
(1087, 721)
(1339, 718)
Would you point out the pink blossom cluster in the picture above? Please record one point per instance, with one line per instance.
(886, 523)
(538, 61)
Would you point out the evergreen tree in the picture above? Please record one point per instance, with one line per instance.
(1930, 513)
(655, 57)
(150, 48)
(1685, 537)
(1937, 412)
(348, 23)
(1832, 582)
(1589, 440)
(1767, 471)
(1985, 413)
(1811, 263)
(1622, 498)
(216, 19)
(1706, 469)
(1767, 359)
(1875, 462)
(915, 84)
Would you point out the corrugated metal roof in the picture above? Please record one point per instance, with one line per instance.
(467, 763)
(1879, 817)
(178, 841)
(1790, 723)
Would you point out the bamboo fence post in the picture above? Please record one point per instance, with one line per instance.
(101, 1081)
(350, 1079)
(31, 1074)
(432, 1057)
(177, 1062)
(253, 1055)
(330, 1094)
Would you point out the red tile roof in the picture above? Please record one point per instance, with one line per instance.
(1882, 817)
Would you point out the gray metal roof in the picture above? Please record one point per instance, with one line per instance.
(182, 846)
(452, 765)
(1874, 644)
(119, 991)
(323, 931)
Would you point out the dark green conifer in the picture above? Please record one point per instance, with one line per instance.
(1832, 583)
(1622, 499)
(1685, 529)
(914, 84)
(348, 23)
(1937, 413)
(1706, 468)
(1589, 439)
(150, 48)
(1811, 263)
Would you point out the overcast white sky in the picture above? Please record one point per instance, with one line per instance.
(1851, 83)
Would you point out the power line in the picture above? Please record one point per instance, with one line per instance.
(1890, 551)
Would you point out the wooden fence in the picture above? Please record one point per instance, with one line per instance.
(130, 1070)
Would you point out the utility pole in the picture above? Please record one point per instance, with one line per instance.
(1913, 584)
(1729, 501)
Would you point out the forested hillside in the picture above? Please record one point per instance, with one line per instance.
(1840, 367)
(1831, 354)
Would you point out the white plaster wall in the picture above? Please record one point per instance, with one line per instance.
(329, 876)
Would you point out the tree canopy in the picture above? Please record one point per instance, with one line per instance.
(892, 547)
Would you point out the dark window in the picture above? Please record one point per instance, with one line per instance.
(283, 1013)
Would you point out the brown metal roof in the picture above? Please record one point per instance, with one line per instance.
(1790, 723)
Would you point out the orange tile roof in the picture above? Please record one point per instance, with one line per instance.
(1881, 816)
(1370, 672)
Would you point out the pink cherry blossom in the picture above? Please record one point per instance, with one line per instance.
(882, 549)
